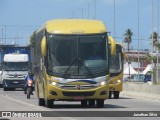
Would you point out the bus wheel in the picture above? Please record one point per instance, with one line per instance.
(116, 95)
(49, 103)
(110, 95)
(100, 103)
(84, 103)
(91, 103)
(5, 89)
(41, 102)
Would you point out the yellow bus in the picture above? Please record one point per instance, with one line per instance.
(65, 69)
(116, 72)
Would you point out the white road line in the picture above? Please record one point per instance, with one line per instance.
(38, 107)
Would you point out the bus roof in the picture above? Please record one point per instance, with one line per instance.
(75, 26)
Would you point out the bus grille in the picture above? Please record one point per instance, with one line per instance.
(74, 87)
(78, 93)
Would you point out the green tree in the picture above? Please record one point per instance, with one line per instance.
(128, 37)
(33, 39)
(155, 39)
(150, 58)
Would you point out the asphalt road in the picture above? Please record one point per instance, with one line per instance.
(17, 101)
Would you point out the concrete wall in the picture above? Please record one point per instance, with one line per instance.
(141, 90)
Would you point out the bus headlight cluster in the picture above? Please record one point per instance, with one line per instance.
(52, 83)
(101, 83)
(117, 81)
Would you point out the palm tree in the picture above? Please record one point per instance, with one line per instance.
(128, 37)
(155, 39)
(151, 58)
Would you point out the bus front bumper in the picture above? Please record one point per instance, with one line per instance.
(13, 83)
(57, 93)
(115, 87)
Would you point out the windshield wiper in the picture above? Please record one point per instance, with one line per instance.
(81, 64)
(87, 68)
(69, 67)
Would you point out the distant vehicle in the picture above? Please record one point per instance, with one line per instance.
(139, 78)
(15, 69)
(134, 78)
(154, 53)
(148, 76)
(63, 71)
(30, 87)
(116, 72)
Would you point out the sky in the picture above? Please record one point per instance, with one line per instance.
(20, 18)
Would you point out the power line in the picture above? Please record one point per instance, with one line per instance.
(19, 25)
(135, 38)
(16, 37)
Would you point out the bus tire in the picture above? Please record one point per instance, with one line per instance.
(41, 102)
(49, 103)
(28, 95)
(100, 103)
(84, 103)
(116, 95)
(5, 89)
(110, 95)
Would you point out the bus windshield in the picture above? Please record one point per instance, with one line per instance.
(77, 56)
(16, 66)
(116, 61)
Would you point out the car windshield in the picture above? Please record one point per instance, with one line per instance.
(77, 56)
(116, 61)
(16, 66)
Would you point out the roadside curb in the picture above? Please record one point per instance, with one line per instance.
(141, 95)
(141, 90)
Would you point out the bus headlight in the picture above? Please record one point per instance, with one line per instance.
(52, 83)
(102, 83)
(118, 81)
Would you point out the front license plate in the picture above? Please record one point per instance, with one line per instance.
(15, 82)
(78, 98)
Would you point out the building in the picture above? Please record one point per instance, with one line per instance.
(132, 58)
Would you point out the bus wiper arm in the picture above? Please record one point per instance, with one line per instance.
(90, 72)
(69, 67)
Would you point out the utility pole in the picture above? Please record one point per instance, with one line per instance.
(82, 13)
(114, 19)
(158, 41)
(88, 10)
(138, 42)
(95, 9)
(152, 37)
(2, 36)
(5, 34)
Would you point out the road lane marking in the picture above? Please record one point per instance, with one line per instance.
(34, 106)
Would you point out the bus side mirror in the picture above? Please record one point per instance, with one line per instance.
(113, 45)
(43, 46)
